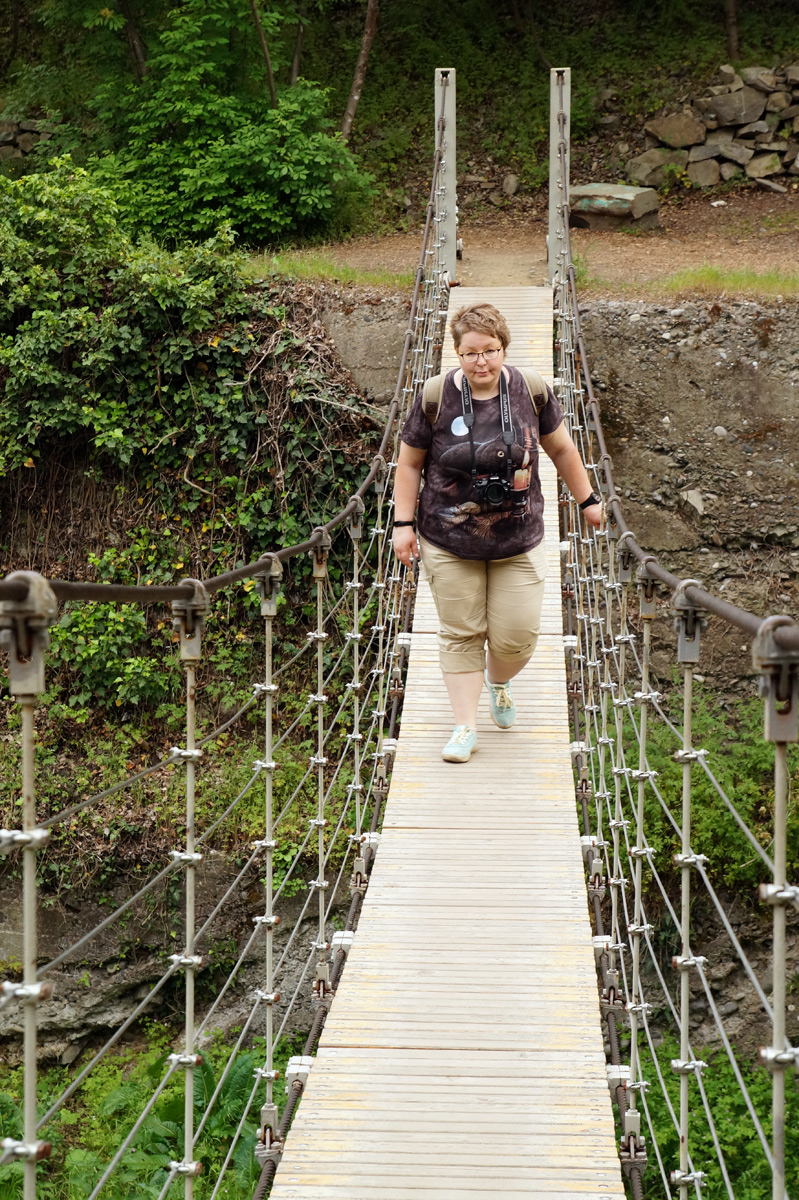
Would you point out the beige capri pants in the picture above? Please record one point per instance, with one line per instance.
(498, 601)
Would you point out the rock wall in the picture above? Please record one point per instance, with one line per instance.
(19, 138)
(747, 124)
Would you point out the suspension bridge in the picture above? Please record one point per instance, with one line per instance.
(496, 960)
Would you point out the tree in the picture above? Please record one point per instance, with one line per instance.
(265, 51)
(369, 28)
(731, 28)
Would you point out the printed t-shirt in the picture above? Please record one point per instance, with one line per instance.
(449, 514)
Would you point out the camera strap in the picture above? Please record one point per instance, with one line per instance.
(505, 416)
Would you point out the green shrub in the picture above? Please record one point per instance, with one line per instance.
(197, 147)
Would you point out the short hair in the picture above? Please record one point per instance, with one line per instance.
(479, 318)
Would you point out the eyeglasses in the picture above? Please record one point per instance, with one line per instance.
(488, 355)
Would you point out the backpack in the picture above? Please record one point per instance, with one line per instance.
(434, 388)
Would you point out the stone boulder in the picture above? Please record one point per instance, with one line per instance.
(678, 130)
(759, 77)
(736, 108)
(778, 102)
(705, 173)
(613, 206)
(648, 168)
(762, 165)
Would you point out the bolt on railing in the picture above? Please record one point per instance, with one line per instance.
(603, 659)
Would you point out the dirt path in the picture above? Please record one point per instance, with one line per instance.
(756, 232)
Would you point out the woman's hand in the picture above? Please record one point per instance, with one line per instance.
(406, 547)
(593, 515)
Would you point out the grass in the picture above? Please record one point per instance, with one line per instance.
(716, 281)
(310, 264)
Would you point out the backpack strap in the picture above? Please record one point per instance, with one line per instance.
(434, 389)
(431, 398)
(536, 387)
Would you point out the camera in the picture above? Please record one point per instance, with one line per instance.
(492, 489)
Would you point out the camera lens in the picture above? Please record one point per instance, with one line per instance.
(495, 493)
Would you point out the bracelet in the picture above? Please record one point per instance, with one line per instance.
(589, 500)
(398, 524)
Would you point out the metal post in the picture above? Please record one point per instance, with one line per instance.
(779, 687)
(447, 204)
(25, 635)
(319, 556)
(269, 1144)
(647, 610)
(560, 86)
(189, 620)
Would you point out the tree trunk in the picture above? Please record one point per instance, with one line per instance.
(731, 28)
(265, 50)
(135, 43)
(295, 62)
(360, 68)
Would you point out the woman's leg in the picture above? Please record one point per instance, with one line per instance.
(464, 695)
(513, 606)
(458, 587)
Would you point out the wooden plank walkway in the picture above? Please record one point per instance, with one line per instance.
(463, 1056)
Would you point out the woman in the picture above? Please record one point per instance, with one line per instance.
(481, 522)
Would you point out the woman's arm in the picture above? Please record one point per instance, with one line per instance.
(406, 490)
(566, 457)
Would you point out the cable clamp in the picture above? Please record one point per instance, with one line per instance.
(16, 839)
(619, 823)
(644, 1009)
(194, 961)
(268, 688)
(27, 993)
(378, 628)
(618, 881)
(591, 708)
(186, 755)
(265, 1073)
(777, 1060)
(602, 795)
(298, 1068)
(772, 893)
(377, 586)
(684, 756)
(351, 586)
(270, 922)
(686, 963)
(644, 928)
(352, 637)
(687, 1066)
(640, 1085)
(25, 1151)
(261, 764)
(624, 639)
(690, 860)
(623, 702)
(622, 771)
(186, 1168)
(353, 686)
(263, 844)
(354, 737)
(185, 1060)
(318, 760)
(641, 852)
(318, 822)
(639, 775)
(342, 940)
(317, 698)
(605, 741)
(354, 787)
(313, 636)
(318, 886)
(646, 697)
(685, 1179)
(185, 856)
(269, 998)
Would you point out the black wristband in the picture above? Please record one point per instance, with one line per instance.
(397, 524)
(589, 500)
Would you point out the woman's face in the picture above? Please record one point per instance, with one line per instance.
(482, 373)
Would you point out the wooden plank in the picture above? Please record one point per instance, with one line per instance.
(443, 1072)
